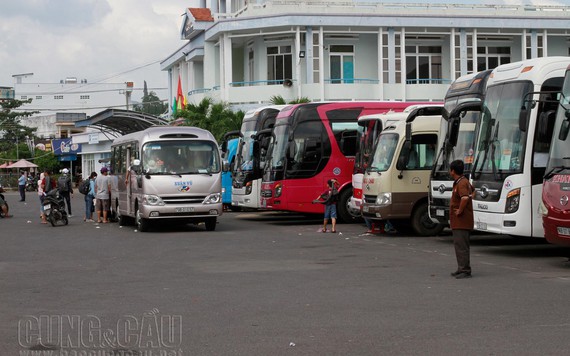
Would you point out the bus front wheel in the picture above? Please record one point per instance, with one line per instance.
(142, 223)
(210, 224)
(422, 223)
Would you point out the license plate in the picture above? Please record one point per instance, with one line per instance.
(439, 212)
(480, 225)
(185, 210)
(563, 230)
(365, 208)
(47, 207)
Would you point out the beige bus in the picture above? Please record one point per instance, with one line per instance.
(396, 181)
(167, 173)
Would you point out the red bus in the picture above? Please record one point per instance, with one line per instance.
(311, 144)
(555, 206)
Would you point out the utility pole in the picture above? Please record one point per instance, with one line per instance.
(128, 92)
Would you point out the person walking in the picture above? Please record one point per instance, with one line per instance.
(65, 189)
(329, 198)
(22, 185)
(461, 218)
(89, 198)
(102, 194)
(41, 197)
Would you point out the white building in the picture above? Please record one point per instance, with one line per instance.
(61, 104)
(243, 52)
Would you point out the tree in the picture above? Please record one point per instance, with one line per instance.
(279, 100)
(217, 118)
(12, 132)
(151, 103)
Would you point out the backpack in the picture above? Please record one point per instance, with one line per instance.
(84, 187)
(62, 184)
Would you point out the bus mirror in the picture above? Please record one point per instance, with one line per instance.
(136, 166)
(136, 162)
(564, 128)
(226, 166)
(453, 132)
(224, 148)
(523, 115)
(291, 148)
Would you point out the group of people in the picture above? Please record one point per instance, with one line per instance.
(460, 215)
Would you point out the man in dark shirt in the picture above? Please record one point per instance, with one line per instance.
(461, 218)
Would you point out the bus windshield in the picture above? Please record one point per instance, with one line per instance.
(384, 152)
(559, 159)
(464, 148)
(280, 140)
(367, 132)
(180, 157)
(244, 158)
(500, 142)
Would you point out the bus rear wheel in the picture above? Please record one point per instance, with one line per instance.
(342, 207)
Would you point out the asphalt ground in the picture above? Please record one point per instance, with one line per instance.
(270, 283)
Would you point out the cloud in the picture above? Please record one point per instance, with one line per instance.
(90, 39)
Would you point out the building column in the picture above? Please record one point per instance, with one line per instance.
(403, 70)
(309, 55)
(391, 56)
(523, 45)
(298, 61)
(474, 51)
(322, 63)
(452, 55)
(226, 59)
(463, 51)
(380, 65)
(533, 44)
(545, 43)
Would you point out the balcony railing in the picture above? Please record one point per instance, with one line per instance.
(261, 82)
(352, 81)
(428, 81)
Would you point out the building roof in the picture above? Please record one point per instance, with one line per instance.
(200, 14)
(121, 121)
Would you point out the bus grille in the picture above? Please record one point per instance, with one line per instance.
(267, 193)
(184, 199)
(370, 199)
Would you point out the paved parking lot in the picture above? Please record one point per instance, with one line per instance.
(271, 283)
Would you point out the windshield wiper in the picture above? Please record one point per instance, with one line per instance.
(554, 170)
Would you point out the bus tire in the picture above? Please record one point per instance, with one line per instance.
(342, 206)
(421, 222)
(142, 223)
(210, 224)
(123, 220)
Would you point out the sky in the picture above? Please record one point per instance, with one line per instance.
(111, 41)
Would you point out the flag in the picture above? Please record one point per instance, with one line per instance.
(180, 98)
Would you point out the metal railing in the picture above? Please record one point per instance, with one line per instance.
(428, 81)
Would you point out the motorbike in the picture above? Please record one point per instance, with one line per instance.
(54, 208)
(31, 185)
(4, 199)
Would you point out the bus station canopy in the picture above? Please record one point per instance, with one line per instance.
(121, 121)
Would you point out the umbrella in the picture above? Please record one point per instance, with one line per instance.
(4, 165)
(23, 164)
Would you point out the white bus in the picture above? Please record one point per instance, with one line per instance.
(167, 172)
(512, 145)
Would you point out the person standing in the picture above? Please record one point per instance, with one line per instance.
(329, 198)
(89, 198)
(102, 194)
(47, 184)
(22, 185)
(461, 218)
(41, 197)
(65, 189)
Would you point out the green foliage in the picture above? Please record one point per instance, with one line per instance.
(217, 118)
(46, 160)
(12, 132)
(151, 104)
(279, 100)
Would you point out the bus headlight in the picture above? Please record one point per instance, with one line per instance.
(154, 200)
(513, 200)
(542, 210)
(278, 190)
(213, 199)
(384, 199)
(248, 187)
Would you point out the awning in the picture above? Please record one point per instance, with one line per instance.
(121, 121)
(22, 164)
